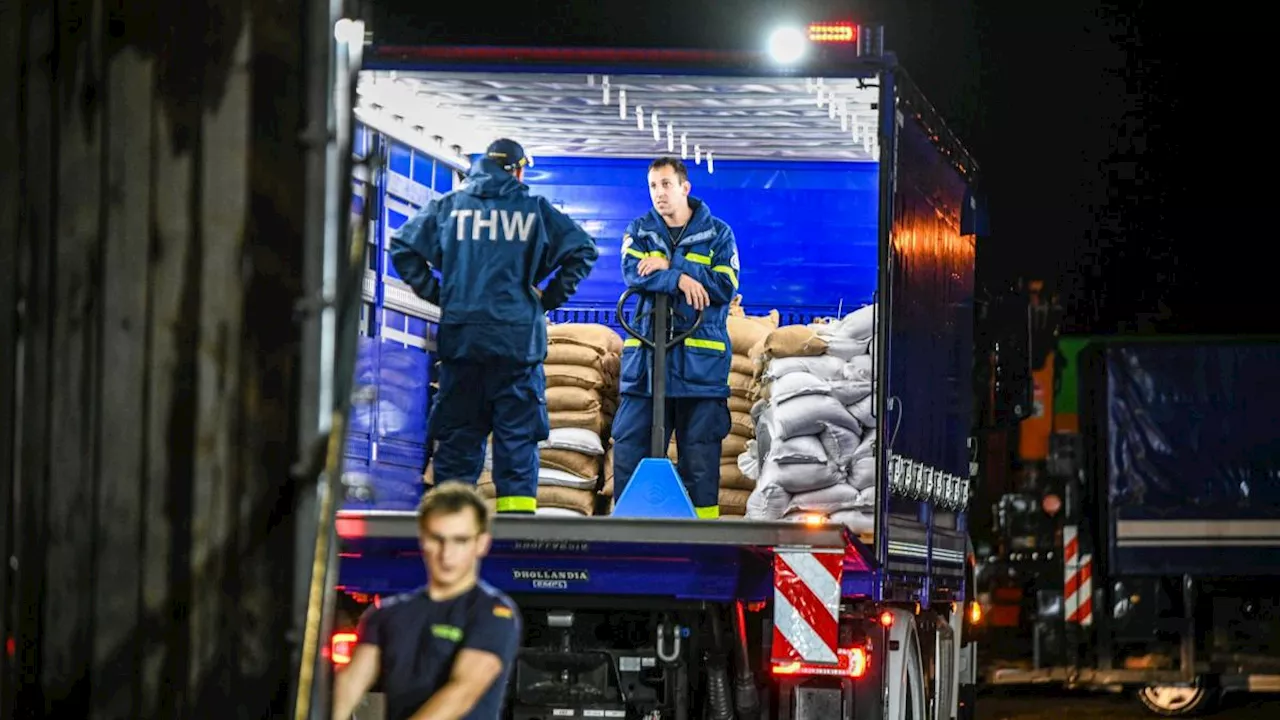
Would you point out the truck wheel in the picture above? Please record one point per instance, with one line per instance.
(1176, 701)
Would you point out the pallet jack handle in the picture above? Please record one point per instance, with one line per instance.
(661, 327)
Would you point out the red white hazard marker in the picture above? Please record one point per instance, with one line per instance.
(1077, 591)
(806, 604)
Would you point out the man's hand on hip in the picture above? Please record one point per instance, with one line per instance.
(694, 293)
(652, 264)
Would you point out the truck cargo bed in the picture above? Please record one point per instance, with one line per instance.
(689, 559)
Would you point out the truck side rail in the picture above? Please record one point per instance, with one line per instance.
(391, 524)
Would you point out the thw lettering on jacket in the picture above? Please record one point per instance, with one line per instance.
(494, 225)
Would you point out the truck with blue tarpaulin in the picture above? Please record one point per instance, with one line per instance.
(1143, 552)
(845, 191)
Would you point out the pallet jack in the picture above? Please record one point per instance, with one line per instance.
(655, 489)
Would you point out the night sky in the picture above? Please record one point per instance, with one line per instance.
(1084, 116)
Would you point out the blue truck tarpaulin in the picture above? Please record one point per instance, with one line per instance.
(1192, 458)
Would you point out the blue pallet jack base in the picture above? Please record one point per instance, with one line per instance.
(655, 491)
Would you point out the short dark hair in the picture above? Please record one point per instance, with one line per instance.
(448, 498)
(674, 163)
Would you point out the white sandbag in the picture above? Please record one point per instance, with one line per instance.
(764, 433)
(560, 478)
(749, 465)
(850, 392)
(846, 348)
(800, 477)
(861, 367)
(797, 384)
(558, 512)
(808, 415)
(840, 443)
(857, 325)
(863, 474)
(575, 439)
(861, 412)
(828, 500)
(826, 367)
(866, 448)
(767, 502)
(802, 449)
(856, 520)
(758, 409)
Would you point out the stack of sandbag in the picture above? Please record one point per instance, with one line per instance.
(745, 332)
(815, 445)
(582, 367)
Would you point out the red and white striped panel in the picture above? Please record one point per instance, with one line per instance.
(1077, 591)
(806, 605)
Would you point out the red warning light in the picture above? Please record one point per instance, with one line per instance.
(833, 32)
(341, 646)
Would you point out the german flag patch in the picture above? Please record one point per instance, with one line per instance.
(503, 611)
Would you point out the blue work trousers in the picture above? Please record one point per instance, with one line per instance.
(700, 425)
(479, 398)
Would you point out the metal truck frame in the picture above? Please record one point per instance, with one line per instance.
(688, 618)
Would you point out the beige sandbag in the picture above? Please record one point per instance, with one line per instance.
(745, 332)
(740, 363)
(589, 334)
(574, 376)
(575, 463)
(568, 397)
(609, 403)
(732, 446)
(611, 366)
(740, 385)
(731, 477)
(488, 490)
(607, 488)
(733, 502)
(794, 341)
(673, 453)
(742, 425)
(568, 498)
(740, 404)
(572, 354)
(585, 419)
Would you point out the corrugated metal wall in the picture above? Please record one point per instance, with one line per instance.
(151, 215)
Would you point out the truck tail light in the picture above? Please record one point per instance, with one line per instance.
(341, 646)
(852, 663)
(975, 613)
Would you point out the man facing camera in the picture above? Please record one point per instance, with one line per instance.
(679, 249)
(445, 650)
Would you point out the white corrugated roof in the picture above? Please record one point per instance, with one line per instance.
(732, 118)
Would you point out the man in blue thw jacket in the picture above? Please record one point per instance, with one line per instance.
(680, 249)
(493, 244)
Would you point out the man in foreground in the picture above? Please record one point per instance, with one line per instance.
(680, 249)
(444, 651)
(493, 244)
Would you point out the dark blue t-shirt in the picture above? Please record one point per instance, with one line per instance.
(419, 637)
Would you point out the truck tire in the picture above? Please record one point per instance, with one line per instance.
(1175, 700)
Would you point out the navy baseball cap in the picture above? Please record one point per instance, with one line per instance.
(508, 153)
